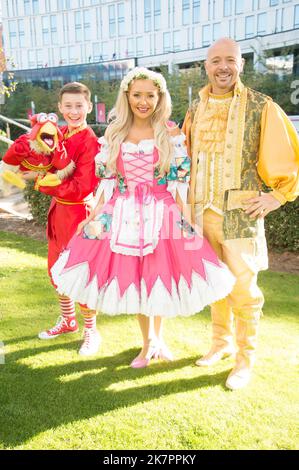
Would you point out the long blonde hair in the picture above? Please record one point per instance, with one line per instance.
(121, 117)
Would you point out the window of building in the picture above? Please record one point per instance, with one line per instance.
(296, 16)
(280, 65)
(96, 52)
(65, 23)
(32, 32)
(255, 5)
(112, 29)
(86, 25)
(130, 47)
(206, 35)
(73, 58)
(177, 37)
(139, 46)
(31, 58)
(78, 26)
(53, 25)
(227, 7)
(147, 16)
(12, 28)
(196, 11)
(209, 10)
(157, 14)
(262, 23)
(11, 8)
(40, 57)
(105, 49)
(21, 32)
(216, 31)
(27, 10)
(46, 30)
(35, 7)
(239, 7)
(185, 12)
(273, 3)
(214, 9)
(121, 19)
(166, 42)
(249, 26)
(48, 6)
(282, 19)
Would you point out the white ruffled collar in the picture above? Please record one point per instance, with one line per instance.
(144, 145)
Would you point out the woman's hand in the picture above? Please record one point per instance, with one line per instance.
(81, 226)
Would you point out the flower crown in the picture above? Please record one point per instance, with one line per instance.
(141, 73)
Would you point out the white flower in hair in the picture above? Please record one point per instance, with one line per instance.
(145, 74)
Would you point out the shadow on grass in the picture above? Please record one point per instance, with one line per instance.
(23, 244)
(34, 400)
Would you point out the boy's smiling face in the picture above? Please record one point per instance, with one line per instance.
(74, 107)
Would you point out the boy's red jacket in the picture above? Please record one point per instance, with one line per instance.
(68, 208)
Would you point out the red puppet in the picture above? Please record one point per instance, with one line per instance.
(41, 150)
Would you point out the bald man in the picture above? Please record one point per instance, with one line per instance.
(238, 139)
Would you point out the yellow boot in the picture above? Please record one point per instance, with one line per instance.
(222, 340)
(246, 336)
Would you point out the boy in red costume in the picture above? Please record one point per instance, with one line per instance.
(69, 204)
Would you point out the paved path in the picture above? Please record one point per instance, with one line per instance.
(15, 205)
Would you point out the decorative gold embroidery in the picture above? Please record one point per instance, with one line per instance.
(67, 135)
(39, 168)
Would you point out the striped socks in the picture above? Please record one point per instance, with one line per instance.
(90, 317)
(67, 307)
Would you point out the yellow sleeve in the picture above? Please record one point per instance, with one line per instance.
(186, 129)
(278, 163)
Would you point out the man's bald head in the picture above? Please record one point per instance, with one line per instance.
(224, 43)
(223, 65)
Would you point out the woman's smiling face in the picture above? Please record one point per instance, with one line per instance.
(143, 97)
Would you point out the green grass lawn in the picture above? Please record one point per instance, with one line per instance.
(51, 398)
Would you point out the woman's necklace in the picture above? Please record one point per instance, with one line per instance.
(75, 131)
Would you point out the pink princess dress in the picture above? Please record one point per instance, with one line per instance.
(139, 255)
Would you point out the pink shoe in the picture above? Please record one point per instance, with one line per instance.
(141, 362)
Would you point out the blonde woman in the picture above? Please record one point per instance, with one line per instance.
(135, 253)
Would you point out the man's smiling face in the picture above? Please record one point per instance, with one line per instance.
(224, 65)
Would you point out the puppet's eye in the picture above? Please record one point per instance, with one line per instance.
(42, 117)
(52, 117)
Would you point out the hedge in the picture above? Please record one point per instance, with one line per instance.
(38, 202)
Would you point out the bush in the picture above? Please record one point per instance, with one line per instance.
(282, 228)
(38, 202)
